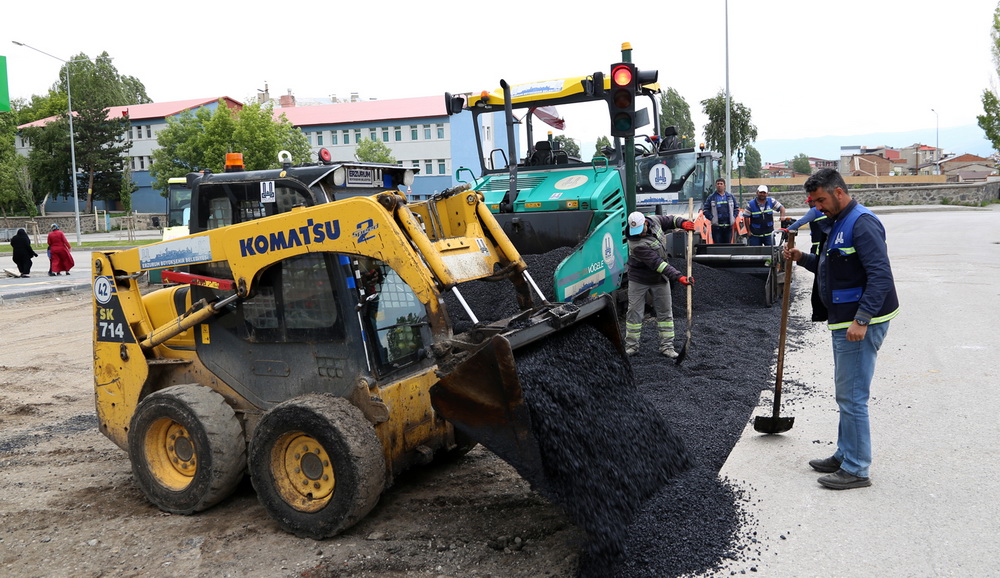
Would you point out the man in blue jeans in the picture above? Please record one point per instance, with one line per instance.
(856, 285)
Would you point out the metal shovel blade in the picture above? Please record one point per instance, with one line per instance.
(772, 425)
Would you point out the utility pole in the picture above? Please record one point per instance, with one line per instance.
(72, 145)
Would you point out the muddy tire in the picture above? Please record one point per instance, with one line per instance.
(187, 448)
(317, 465)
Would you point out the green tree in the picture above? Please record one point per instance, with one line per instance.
(800, 164)
(49, 161)
(99, 141)
(126, 188)
(674, 111)
(374, 151)
(98, 83)
(199, 140)
(602, 142)
(569, 145)
(753, 163)
(989, 121)
(741, 130)
(100, 145)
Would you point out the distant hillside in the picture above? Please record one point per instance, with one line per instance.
(959, 139)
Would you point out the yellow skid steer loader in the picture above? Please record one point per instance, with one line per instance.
(304, 338)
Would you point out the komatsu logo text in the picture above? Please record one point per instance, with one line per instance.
(311, 232)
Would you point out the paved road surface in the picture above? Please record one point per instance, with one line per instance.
(934, 506)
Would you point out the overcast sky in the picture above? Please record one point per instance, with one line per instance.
(805, 69)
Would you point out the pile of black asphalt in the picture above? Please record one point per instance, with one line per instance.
(666, 512)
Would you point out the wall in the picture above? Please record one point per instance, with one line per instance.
(972, 194)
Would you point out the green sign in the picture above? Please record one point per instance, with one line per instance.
(4, 93)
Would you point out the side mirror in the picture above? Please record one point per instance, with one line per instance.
(453, 104)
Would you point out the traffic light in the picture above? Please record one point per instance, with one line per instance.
(621, 99)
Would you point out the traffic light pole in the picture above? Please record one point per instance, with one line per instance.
(629, 149)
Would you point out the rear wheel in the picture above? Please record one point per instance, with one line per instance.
(317, 465)
(187, 448)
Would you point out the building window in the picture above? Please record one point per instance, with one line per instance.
(149, 131)
(142, 163)
(319, 139)
(373, 134)
(132, 160)
(441, 168)
(413, 133)
(138, 132)
(440, 128)
(347, 137)
(428, 167)
(385, 134)
(357, 135)
(416, 164)
(333, 138)
(427, 132)
(399, 133)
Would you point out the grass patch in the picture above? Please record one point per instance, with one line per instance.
(94, 244)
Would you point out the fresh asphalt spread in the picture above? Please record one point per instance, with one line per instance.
(632, 454)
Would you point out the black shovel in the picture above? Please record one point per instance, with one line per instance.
(775, 424)
(690, 250)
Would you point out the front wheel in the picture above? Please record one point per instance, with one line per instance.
(187, 448)
(317, 465)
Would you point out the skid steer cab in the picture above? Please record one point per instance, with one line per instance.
(310, 343)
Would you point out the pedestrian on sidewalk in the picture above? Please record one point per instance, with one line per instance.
(857, 287)
(23, 253)
(60, 256)
(648, 273)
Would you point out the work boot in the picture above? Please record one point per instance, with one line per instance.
(826, 465)
(630, 351)
(669, 352)
(841, 480)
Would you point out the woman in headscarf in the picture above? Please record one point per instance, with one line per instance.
(23, 253)
(60, 257)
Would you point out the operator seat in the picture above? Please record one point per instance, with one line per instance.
(542, 154)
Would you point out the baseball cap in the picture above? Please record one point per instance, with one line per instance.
(762, 189)
(636, 221)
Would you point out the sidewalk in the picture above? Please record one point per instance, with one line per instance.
(40, 283)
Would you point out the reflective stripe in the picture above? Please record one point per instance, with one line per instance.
(662, 266)
(875, 320)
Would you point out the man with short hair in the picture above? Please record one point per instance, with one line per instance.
(721, 209)
(857, 287)
(759, 217)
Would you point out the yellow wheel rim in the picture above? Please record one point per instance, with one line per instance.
(171, 454)
(303, 474)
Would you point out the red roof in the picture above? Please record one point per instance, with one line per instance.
(966, 158)
(364, 111)
(152, 110)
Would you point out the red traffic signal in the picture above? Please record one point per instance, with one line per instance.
(621, 99)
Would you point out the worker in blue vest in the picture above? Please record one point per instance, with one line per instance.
(721, 208)
(759, 217)
(857, 287)
(817, 222)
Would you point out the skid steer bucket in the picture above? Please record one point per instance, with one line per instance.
(482, 395)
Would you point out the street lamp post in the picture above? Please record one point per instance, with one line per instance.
(72, 145)
(937, 141)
